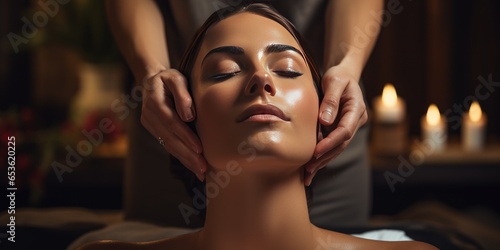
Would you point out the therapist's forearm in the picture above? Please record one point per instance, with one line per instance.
(139, 32)
(350, 34)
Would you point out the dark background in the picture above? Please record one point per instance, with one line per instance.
(433, 52)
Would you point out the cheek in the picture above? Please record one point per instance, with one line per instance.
(211, 105)
(214, 122)
(305, 104)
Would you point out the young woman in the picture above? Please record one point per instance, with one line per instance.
(254, 87)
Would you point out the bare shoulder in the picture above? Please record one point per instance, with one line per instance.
(186, 241)
(328, 240)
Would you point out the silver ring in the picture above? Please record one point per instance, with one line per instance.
(161, 141)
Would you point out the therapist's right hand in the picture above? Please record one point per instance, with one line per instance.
(166, 108)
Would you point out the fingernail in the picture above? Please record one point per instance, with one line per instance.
(193, 111)
(309, 169)
(201, 177)
(203, 165)
(326, 116)
(319, 155)
(308, 182)
(195, 149)
(188, 114)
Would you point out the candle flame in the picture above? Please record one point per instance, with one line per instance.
(475, 112)
(389, 95)
(433, 116)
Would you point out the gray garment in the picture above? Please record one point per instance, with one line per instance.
(183, 18)
(341, 191)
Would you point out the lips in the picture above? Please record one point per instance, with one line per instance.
(259, 112)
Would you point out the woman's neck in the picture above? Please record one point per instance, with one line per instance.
(256, 212)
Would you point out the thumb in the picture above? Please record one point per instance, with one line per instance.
(333, 88)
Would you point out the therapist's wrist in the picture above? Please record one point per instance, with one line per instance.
(353, 69)
(148, 71)
(352, 63)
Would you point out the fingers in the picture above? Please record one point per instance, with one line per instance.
(176, 84)
(333, 87)
(346, 96)
(331, 147)
(352, 116)
(194, 162)
(309, 177)
(176, 144)
(317, 163)
(338, 136)
(344, 132)
(314, 165)
(157, 109)
(161, 119)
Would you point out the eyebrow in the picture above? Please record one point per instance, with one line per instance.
(277, 48)
(235, 50)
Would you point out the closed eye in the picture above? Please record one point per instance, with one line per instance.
(224, 76)
(288, 73)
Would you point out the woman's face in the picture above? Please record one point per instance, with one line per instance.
(255, 98)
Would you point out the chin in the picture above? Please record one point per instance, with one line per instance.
(269, 159)
(275, 150)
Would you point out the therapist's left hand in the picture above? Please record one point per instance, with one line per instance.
(342, 112)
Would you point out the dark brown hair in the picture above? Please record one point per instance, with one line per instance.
(189, 57)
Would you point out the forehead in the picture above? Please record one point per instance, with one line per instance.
(247, 30)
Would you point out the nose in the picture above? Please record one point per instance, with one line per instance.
(260, 83)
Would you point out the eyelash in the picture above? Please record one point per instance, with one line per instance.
(288, 73)
(224, 76)
(283, 73)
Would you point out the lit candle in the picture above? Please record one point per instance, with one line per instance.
(389, 133)
(389, 108)
(434, 129)
(474, 128)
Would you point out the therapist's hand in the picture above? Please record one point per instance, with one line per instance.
(165, 120)
(342, 112)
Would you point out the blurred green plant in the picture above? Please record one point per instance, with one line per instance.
(82, 25)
